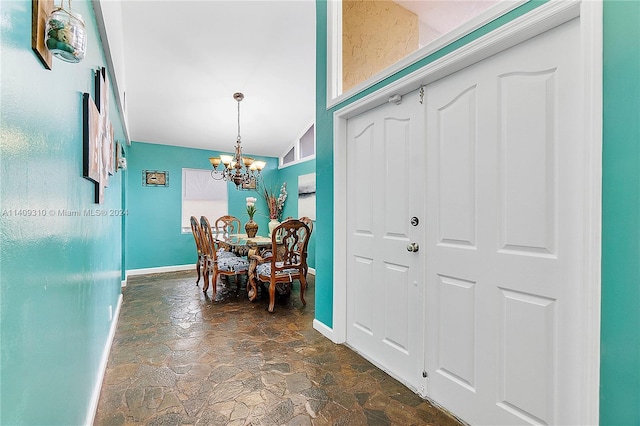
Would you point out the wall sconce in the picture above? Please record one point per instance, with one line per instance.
(66, 37)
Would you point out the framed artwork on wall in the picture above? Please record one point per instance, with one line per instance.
(251, 185)
(39, 14)
(307, 196)
(99, 194)
(106, 129)
(111, 164)
(155, 178)
(98, 161)
(92, 142)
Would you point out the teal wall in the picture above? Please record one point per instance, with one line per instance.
(324, 176)
(620, 345)
(59, 275)
(290, 175)
(620, 332)
(154, 236)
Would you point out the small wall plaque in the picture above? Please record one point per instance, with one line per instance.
(155, 178)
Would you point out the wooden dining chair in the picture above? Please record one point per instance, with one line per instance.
(218, 260)
(288, 262)
(196, 230)
(228, 225)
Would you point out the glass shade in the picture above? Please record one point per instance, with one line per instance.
(260, 164)
(247, 161)
(215, 162)
(226, 159)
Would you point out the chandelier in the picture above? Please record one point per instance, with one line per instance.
(242, 171)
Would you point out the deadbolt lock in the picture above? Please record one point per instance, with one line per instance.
(415, 221)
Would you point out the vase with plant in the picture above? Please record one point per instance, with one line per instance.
(275, 203)
(251, 227)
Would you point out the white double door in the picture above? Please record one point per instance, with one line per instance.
(492, 166)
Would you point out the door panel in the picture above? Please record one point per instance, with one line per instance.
(457, 338)
(385, 187)
(527, 153)
(363, 311)
(504, 234)
(457, 147)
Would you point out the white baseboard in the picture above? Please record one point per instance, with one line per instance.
(160, 269)
(102, 368)
(324, 330)
(312, 271)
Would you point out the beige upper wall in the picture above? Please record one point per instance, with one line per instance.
(375, 34)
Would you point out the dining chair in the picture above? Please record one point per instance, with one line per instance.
(288, 262)
(196, 230)
(228, 225)
(219, 261)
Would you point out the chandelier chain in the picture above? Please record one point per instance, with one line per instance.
(239, 120)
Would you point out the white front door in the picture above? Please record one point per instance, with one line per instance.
(385, 183)
(505, 235)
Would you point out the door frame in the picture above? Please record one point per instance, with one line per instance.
(539, 20)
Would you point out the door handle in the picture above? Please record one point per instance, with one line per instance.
(413, 247)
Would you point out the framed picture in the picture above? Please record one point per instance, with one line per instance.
(102, 90)
(92, 141)
(155, 178)
(99, 197)
(111, 164)
(249, 185)
(107, 153)
(118, 149)
(121, 160)
(307, 196)
(39, 14)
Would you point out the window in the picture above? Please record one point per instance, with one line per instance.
(290, 156)
(202, 196)
(302, 149)
(308, 144)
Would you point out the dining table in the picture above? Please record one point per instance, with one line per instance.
(243, 245)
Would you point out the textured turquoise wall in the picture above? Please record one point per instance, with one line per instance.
(154, 236)
(59, 275)
(620, 332)
(290, 175)
(620, 345)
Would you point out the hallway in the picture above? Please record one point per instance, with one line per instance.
(180, 358)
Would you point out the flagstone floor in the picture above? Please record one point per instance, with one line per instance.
(180, 358)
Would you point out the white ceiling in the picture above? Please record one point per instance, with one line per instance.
(184, 60)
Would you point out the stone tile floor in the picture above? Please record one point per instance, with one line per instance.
(180, 358)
